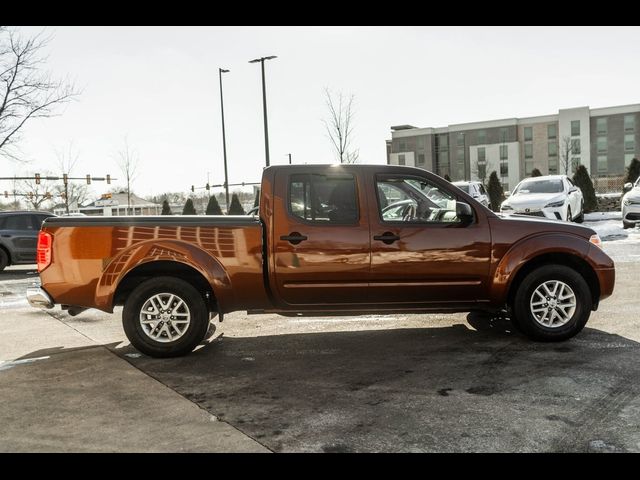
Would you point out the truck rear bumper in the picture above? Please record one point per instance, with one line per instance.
(39, 298)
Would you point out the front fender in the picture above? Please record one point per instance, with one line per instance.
(526, 250)
(163, 250)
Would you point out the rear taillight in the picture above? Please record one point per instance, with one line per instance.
(43, 255)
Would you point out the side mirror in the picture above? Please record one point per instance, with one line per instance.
(573, 189)
(627, 186)
(464, 212)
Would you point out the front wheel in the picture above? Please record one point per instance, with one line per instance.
(625, 225)
(568, 214)
(552, 303)
(580, 217)
(4, 259)
(165, 317)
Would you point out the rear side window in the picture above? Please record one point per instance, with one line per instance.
(18, 222)
(323, 198)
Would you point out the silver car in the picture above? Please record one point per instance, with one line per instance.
(475, 189)
(631, 204)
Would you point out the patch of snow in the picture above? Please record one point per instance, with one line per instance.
(598, 216)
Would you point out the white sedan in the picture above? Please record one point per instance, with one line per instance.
(553, 196)
(631, 204)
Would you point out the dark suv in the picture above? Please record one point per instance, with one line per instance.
(18, 236)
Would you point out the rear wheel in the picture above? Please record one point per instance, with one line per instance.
(580, 217)
(4, 259)
(552, 303)
(165, 317)
(624, 225)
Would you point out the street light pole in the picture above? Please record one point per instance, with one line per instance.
(224, 141)
(289, 158)
(264, 105)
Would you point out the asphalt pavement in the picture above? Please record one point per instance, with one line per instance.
(388, 383)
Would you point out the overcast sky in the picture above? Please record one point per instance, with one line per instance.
(159, 86)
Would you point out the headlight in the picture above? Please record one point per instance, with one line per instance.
(554, 204)
(595, 239)
(506, 207)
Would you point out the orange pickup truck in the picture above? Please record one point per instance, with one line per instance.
(328, 239)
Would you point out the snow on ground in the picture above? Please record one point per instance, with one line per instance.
(622, 245)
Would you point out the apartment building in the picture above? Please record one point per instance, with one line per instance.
(604, 140)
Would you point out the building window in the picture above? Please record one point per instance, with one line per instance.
(443, 158)
(601, 126)
(628, 157)
(505, 187)
(602, 144)
(482, 154)
(575, 128)
(482, 170)
(460, 139)
(504, 133)
(553, 166)
(442, 141)
(528, 134)
(629, 123)
(482, 136)
(602, 164)
(504, 169)
(629, 142)
(528, 150)
(552, 131)
(421, 159)
(528, 167)
(460, 155)
(403, 147)
(401, 160)
(552, 148)
(504, 153)
(575, 146)
(420, 142)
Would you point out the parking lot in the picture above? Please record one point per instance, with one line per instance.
(392, 383)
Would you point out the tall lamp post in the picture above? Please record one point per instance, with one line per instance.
(224, 141)
(264, 105)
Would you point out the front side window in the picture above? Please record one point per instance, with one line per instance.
(416, 200)
(323, 198)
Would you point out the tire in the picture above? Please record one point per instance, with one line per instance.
(625, 225)
(558, 328)
(580, 218)
(4, 259)
(569, 214)
(153, 337)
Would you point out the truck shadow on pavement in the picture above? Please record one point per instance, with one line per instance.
(416, 389)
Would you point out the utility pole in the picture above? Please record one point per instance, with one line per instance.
(264, 106)
(224, 141)
(289, 158)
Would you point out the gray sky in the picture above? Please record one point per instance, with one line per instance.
(159, 86)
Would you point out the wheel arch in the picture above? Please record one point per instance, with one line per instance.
(8, 253)
(148, 270)
(555, 258)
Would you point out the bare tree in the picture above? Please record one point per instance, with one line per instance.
(37, 193)
(481, 170)
(27, 91)
(566, 150)
(71, 193)
(128, 162)
(339, 126)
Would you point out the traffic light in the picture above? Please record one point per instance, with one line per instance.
(47, 196)
(65, 178)
(108, 179)
(63, 195)
(207, 187)
(192, 188)
(37, 179)
(88, 179)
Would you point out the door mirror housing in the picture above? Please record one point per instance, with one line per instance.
(464, 212)
(627, 186)
(573, 189)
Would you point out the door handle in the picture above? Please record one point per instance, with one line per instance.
(294, 238)
(387, 237)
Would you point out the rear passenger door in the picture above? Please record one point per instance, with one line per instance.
(321, 242)
(19, 234)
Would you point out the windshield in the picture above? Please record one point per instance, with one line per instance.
(540, 186)
(464, 187)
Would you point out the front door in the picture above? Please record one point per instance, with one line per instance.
(421, 252)
(320, 238)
